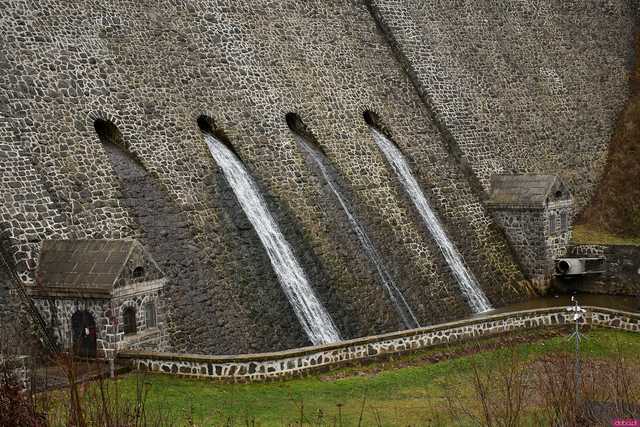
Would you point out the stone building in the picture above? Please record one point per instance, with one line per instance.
(535, 212)
(100, 296)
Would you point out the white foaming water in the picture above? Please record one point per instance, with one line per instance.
(468, 283)
(401, 305)
(313, 317)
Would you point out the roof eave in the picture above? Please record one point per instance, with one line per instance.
(67, 292)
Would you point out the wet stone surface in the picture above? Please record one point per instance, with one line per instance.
(152, 68)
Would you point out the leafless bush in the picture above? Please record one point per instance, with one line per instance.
(499, 392)
(515, 392)
(556, 385)
(607, 389)
(16, 407)
(622, 385)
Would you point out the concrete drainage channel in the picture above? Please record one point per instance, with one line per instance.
(301, 361)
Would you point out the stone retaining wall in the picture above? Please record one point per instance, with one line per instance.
(622, 275)
(257, 367)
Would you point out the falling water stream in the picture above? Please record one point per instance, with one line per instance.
(468, 283)
(401, 305)
(315, 320)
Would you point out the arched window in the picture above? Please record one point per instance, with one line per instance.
(138, 272)
(564, 222)
(108, 132)
(372, 119)
(150, 314)
(129, 321)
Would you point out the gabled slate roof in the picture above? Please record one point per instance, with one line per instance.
(534, 191)
(86, 266)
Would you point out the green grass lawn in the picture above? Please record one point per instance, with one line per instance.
(403, 392)
(587, 235)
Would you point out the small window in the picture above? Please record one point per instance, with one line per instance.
(552, 224)
(130, 321)
(564, 222)
(138, 272)
(150, 314)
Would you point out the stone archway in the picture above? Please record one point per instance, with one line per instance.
(83, 327)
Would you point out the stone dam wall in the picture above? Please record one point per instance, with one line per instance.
(622, 271)
(260, 367)
(153, 67)
(512, 83)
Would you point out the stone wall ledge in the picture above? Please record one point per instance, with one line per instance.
(265, 366)
(516, 206)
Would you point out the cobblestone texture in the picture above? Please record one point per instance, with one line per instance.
(153, 67)
(522, 86)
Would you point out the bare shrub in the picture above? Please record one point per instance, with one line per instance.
(499, 392)
(16, 407)
(16, 410)
(607, 389)
(621, 381)
(513, 391)
(556, 386)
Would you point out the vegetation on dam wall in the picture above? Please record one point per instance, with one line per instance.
(586, 234)
(615, 206)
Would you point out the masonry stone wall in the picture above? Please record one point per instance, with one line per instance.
(165, 231)
(535, 241)
(525, 229)
(622, 270)
(16, 369)
(7, 300)
(259, 367)
(57, 312)
(137, 296)
(17, 333)
(152, 67)
(108, 314)
(557, 235)
(521, 86)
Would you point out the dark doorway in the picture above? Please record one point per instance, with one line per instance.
(83, 326)
(130, 321)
